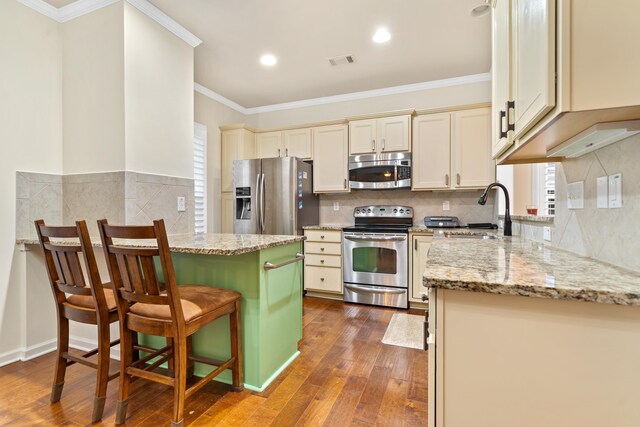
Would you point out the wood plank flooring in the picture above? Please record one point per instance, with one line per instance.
(344, 376)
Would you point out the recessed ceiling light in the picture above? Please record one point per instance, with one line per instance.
(381, 36)
(268, 60)
(479, 10)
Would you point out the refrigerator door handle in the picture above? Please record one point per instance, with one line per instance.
(262, 201)
(258, 198)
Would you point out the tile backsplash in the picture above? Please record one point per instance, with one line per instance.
(463, 204)
(609, 235)
(121, 197)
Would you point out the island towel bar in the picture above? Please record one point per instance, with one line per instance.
(270, 266)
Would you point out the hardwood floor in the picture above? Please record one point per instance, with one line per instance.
(344, 376)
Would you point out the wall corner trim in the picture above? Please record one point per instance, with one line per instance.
(83, 7)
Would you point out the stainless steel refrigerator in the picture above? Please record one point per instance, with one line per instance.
(273, 196)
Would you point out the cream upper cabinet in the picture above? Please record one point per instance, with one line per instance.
(330, 159)
(298, 143)
(533, 69)
(237, 144)
(431, 154)
(501, 137)
(294, 143)
(452, 150)
(269, 144)
(419, 248)
(471, 162)
(375, 136)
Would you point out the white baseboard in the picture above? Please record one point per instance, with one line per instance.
(23, 354)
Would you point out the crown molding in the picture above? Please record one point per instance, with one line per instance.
(415, 87)
(165, 20)
(41, 7)
(83, 7)
(219, 98)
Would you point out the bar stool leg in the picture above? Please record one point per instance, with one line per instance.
(126, 350)
(103, 373)
(180, 385)
(61, 362)
(236, 349)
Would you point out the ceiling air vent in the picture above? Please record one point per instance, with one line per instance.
(342, 60)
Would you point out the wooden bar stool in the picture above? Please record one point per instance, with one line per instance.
(175, 314)
(93, 304)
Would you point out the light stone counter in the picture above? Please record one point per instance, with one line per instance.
(334, 227)
(208, 243)
(514, 266)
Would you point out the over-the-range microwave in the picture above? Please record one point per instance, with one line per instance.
(380, 171)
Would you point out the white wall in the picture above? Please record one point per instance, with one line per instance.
(31, 139)
(158, 82)
(93, 85)
(425, 99)
(212, 114)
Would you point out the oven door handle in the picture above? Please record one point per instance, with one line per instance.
(376, 239)
(372, 290)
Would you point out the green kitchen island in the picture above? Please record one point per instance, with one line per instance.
(267, 271)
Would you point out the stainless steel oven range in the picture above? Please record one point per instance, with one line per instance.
(375, 256)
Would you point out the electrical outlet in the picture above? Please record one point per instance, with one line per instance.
(182, 204)
(575, 195)
(547, 233)
(336, 206)
(615, 191)
(445, 205)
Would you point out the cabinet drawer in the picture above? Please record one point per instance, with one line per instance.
(325, 279)
(323, 236)
(323, 260)
(322, 248)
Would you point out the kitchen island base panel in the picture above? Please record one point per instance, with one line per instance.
(271, 310)
(501, 360)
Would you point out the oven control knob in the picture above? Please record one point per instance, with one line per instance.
(401, 210)
(369, 210)
(357, 211)
(395, 211)
(408, 211)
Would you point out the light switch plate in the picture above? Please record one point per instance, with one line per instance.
(602, 192)
(182, 206)
(336, 206)
(615, 191)
(575, 195)
(547, 233)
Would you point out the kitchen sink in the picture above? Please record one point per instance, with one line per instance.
(483, 236)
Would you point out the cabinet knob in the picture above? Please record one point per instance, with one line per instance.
(286, 152)
(382, 144)
(373, 145)
(321, 261)
(458, 179)
(322, 279)
(446, 180)
(425, 297)
(322, 237)
(345, 183)
(322, 249)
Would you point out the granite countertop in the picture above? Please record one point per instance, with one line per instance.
(515, 266)
(330, 227)
(206, 243)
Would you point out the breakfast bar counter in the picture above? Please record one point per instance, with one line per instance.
(523, 333)
(266, 270)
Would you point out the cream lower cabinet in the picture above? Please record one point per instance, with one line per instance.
(330, 159)
(452, 150)
(226, 213)
(323, 261)
(420, 244)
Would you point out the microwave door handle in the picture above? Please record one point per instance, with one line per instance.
(395, 173)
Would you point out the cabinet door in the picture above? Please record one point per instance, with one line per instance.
(431, 152)
(269, 144)
(324, 279)
(330, 158)
(501, 83)
(237, 144)
(393, 134)
(420, 248)
(362, 137)
(472, 165)
(297, 143)
(534, 61)
(226, 212)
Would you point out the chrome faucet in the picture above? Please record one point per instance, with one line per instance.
(507, 217)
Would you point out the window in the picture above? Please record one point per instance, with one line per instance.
(543, 188)
(200, 176)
